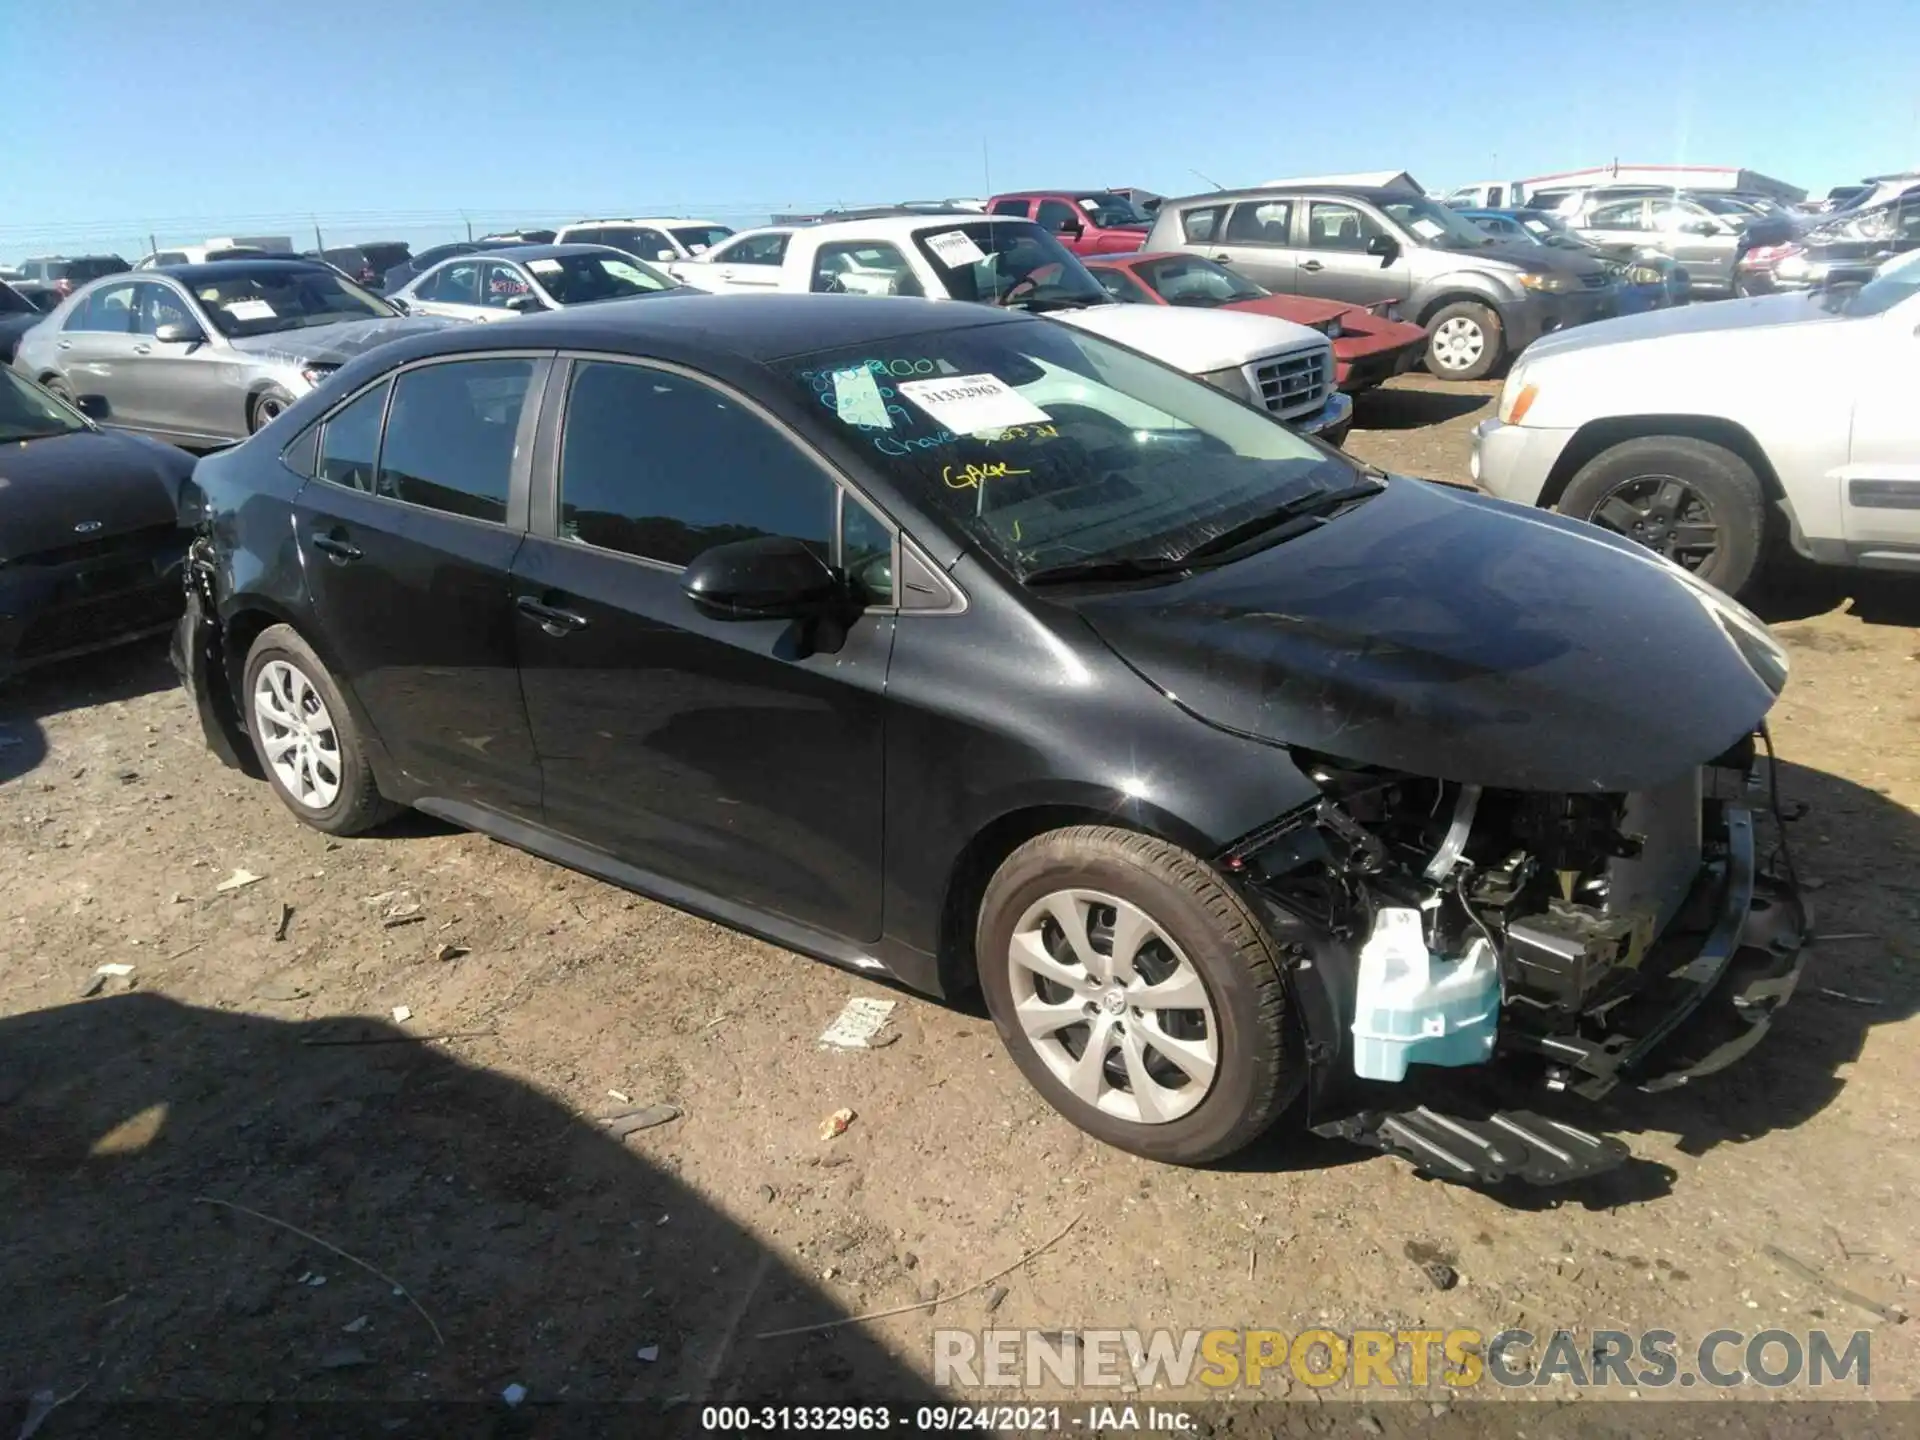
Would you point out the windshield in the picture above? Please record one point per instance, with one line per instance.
(245, 302)
(1108, 210)
(1012, 263)
(584, 279)
(1192, 280)
(698, 239)
(1047, 446)
(1435, 226)
(1898, 280)
(29, 413)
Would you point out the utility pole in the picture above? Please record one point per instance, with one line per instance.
(318, 243)
(153, 245)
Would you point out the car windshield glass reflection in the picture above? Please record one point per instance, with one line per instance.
(700, 238)
(1017, 265)
(1193, 281)
(1108, 210)
(584, 279)
(1436, 226)
(28, 413)
(264, 302)
(1050, 447)
(1896, 282)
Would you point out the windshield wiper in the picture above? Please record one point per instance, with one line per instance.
(1040, 305)
(1295, 517)
(1106, 568)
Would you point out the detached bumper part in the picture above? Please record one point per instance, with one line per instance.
(1503, 1145)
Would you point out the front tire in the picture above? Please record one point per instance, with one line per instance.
(1465, 341)
(1136, 993)
(306, 738)
(1697, 503)
(266, 407)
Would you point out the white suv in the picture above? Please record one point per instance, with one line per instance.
(1285, 369)
(1708, 431)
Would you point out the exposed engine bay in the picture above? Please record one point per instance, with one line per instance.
(1613, 916)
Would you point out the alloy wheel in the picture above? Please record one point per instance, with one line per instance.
(1113, 1007)
(1664, 514)
(1458, 343)
(297, 734)
(267, 409)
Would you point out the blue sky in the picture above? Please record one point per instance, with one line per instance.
(195, 118)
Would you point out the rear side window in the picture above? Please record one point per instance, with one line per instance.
(1056, 215)
(450, 436)
(350, 441)
(1202, 226)
(1261, 222)
(1620, 215)
(660, 466)
(1012, 207)
(862, 267)
(109, 310)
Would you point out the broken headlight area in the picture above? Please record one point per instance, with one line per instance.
(1575, 940)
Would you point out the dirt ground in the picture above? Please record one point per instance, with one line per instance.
(253, 1059)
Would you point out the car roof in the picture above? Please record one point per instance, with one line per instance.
(758, 328)
(900, 224)
(1137, 257)
(662, 222)
(1056, 190)
(219, 269)
(520, 254)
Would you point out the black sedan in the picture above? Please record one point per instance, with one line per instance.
(20, 311)
(977, 652)
(90, 541)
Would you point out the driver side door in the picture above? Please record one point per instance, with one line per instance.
(1334, 263)
(1880, 487)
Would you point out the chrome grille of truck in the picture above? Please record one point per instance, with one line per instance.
(1296, 384)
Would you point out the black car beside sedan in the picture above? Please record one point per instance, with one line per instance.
(969, 650)
(90, 541)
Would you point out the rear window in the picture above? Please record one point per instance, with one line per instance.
(90, 267)
(385, 257)
(698, 239)
(1202, 226)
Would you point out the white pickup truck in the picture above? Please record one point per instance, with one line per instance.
(1284, 368)
(1709, 431)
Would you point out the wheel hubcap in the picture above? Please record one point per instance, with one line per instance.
(1663, 514)
(297, 734)
(1113, 1007)
(1458, 343)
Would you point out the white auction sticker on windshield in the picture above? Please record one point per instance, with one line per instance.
(969, 404)
(544, 267)
(857, 399)
(1428, 229)
(954, 248)
(249, 309)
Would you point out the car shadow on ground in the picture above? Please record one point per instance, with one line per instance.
(1398, 408)
(1794, 590)
(124, 672)
(153, 1155)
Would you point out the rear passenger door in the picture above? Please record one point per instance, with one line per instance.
(96, 348)
(407, 529)
(1255, 237)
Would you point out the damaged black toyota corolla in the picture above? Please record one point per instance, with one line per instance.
(978, 652)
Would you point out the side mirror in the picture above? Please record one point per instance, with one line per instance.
(1385, 247)
(1706, 227)
(399, 302)
(183, 332)
(94, 407)
(526, 304)
(771, 578)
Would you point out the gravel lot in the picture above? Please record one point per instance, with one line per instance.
(256, 1060)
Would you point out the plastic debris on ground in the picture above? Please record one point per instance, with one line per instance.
(401, 1014)
(858, 1023)
(649, 1353)
(628, 1122)
(238, 880)
(514, 1394)
(836, 1124)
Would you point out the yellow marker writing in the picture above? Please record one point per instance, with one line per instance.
(970, 476)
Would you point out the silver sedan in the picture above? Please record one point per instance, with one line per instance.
(204, 355)
(531, 278)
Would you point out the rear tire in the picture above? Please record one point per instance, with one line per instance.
(1697, 503)
(1465, 341)
(267, 407)
(1184, 1083)
(307, 740)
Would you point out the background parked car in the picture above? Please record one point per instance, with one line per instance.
(650, 240)
(1704, 244)
(1646, 280)
(1000, 260)
(90, 539)
(1088, 222)
(65, 274)
(1369, 345)
(1481, 303)
(518, 237)
(198, 255)
(1712, 432)
(205, 354)
(498, 285)
(364, 264)
(419, 264)
(18, 314)
(1842, 249)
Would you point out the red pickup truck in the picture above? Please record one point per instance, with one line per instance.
(1370, 344)
(1088, 222)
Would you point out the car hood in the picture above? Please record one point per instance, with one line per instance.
(94, 478)
(338, 343)
(1447, 634)
(1770, 312)
(1300, 309)
(1192, 340)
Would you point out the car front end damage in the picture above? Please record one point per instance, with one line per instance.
(1642, 939)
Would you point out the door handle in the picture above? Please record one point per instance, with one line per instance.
(1311, 265)
(1223, 258)
(338, 551)
(66, 344)
(143, 349)
(552, 618)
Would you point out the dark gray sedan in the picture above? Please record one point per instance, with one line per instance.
(205, 354)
